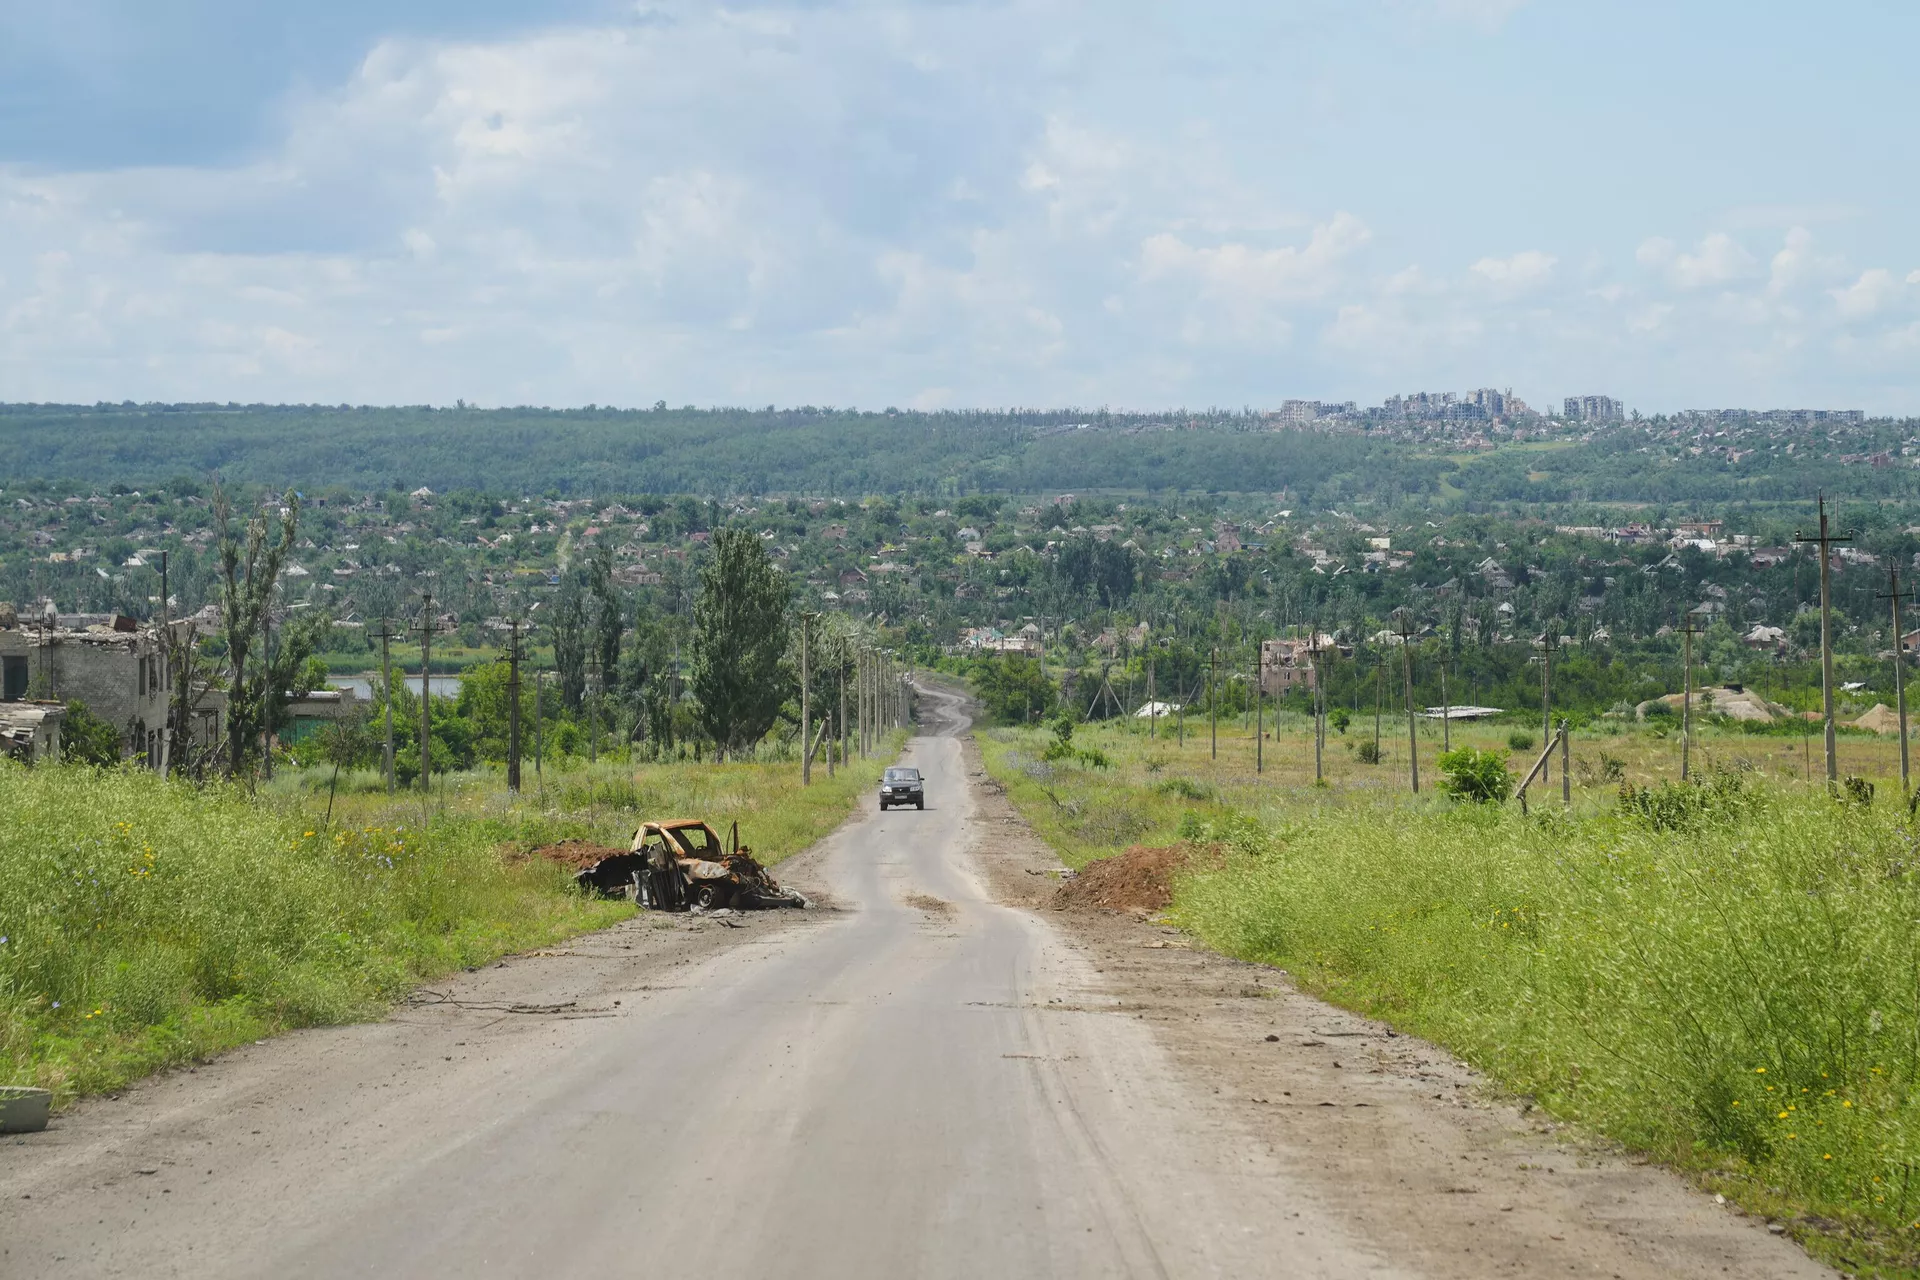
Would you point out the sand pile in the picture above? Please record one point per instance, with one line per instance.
(1881, 719)
(575, 855)
(1139, 880)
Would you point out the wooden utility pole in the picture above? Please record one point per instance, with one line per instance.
(426, 695)
(385, 636)
(806, 707)
(1406, 663)
(1899, 670)
(1687, 631)
(1825, 541)
(513, 708)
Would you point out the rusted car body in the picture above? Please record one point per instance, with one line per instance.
(680, 864)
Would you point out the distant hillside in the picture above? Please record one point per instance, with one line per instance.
(713, 452)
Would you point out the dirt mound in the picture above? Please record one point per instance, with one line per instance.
(1139, 880)
(1882, 719)
(575, 855)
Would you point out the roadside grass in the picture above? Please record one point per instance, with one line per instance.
(145, 923)
(1738, 996)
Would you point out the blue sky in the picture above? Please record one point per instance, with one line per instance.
(955, 203)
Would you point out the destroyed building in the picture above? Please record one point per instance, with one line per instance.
(118, 668)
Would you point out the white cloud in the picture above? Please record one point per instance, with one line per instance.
(1523, 271)
(1719, 260)
(810, 204)
(1287, 273)
(1864, 297)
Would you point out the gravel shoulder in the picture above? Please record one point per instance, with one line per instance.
(1421, 1157)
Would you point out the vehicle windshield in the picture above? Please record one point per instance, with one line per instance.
(697, 841)
(903, 775)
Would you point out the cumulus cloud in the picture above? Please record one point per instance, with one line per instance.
(834, 204)
(1523, 271)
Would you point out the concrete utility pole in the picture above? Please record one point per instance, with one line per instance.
(841, 664)
(385, 636)
(1406, 662)
(1319, 705)
(1213, 702)
(1825, 541)
(1153, 708)
(1899, 670)
(539, 722)
(513, 708)
(1446, 710)
(806, 709)
(426, 694)
(1548, 643)
(1688, 631)
(592, 700)
(1259, 716)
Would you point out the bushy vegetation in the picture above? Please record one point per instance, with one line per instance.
(145, 922)
(1719, 973)
(1737, 995)
(148, 921)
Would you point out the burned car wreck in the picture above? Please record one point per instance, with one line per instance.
(680, 865)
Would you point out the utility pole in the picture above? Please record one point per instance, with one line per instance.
(1259, 716)
(539, 722)
(1825, 541)
(1379, 695)
(592, 700)
(806, 708)
(1446, 710)
(1213, 702)
(513, 708)
(1153, 708)
(1687, 632)
(385, 635)
(842, 665)
(1899, 670)
(1319, 705)
(1548, 642)
(426, 693)
(1406, 662)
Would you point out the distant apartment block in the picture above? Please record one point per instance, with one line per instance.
(1299, 413)
(1594, 409)
(1776, 417)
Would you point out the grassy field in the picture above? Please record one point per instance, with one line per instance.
(145, 922)
(1734, 988)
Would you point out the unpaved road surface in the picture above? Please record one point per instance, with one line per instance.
(917, 1080)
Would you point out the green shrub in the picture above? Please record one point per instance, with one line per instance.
(87, 739)
(1479, 777)
(1368, 752)
(1340, 718)
(1520, 740)
(1185, 788)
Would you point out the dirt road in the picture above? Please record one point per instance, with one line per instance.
(918, 1080)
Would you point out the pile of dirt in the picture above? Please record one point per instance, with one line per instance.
(1139, 880)
(1882, 719)
(575, 855)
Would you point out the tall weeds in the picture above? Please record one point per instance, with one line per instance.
(1739, 991)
